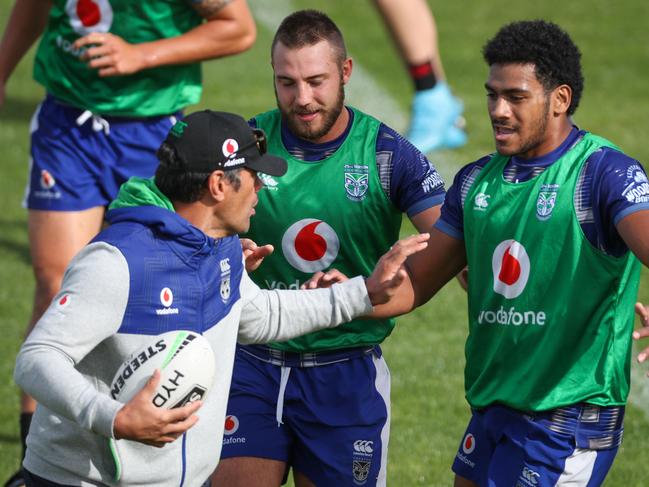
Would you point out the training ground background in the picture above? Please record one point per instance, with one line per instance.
(425, 352)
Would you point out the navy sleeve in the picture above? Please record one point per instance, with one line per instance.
(451, 221)
(619, 187)
(411, 182)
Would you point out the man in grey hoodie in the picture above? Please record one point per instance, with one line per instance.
(179, 231)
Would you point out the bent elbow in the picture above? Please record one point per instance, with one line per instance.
(247, 37)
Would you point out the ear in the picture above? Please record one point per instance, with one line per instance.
(347, 69)
(216, 185)
(561, 99)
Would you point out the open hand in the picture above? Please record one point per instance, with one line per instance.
(389, 272)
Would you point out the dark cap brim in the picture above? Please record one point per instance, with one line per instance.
(268, 164)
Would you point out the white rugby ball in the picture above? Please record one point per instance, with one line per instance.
(186, 364)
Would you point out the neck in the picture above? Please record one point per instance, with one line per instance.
(200, 216)
(555, 136)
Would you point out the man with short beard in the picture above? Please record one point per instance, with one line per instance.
(321, 404)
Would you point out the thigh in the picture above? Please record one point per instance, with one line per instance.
(340, 415)
(248, 471)
(55, 237)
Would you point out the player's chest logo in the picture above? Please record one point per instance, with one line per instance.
(88, 16)
(546, 201)
(310, 245)
(356, 181)
(511, 268)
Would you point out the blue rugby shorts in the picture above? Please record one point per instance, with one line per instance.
(325, 414)
(79, 160)
(570, 446)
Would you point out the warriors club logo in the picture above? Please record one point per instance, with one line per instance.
(511, 268)
(310, 245)
(468, 445)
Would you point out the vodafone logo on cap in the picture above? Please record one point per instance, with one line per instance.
(511, 268)
(229, 147)
(310, 245)
(231, 425)
(468, 445)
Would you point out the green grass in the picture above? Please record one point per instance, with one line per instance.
(425, 352)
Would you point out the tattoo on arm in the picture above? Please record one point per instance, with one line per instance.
(207, 8)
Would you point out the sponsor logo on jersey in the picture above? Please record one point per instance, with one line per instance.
(463, 458)
(64, 301)
(432, 181)
(166, 299)
(362, 460)
(468, 445)
(269, 182)
(546, 200)
(310, 245)
(637, 189)
(356, 181)
(47, 184)
(225, 279)
(47, 180)
(481, 201)
(511, 316)
(511, 268)
(88, 16)
(231, 425)
(530, 477)
(363, 446)
(511, 271)
(282, 285)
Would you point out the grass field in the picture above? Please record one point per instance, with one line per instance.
(425, 352)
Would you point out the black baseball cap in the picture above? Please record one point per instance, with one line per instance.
(209, 140)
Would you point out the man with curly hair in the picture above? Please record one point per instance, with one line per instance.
(555, 210)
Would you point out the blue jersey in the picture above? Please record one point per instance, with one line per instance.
(408, 178)
(611, 186)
